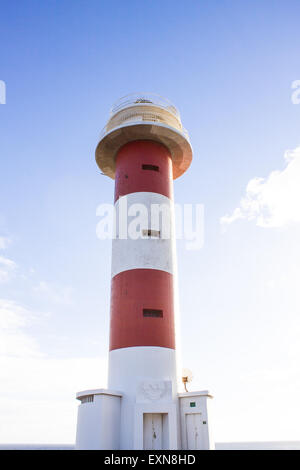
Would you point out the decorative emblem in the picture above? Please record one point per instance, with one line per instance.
(153, 390)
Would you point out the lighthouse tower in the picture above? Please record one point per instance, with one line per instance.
(144, 147)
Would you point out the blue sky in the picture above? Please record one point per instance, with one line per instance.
(229, 67)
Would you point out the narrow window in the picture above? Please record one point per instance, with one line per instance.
(192, 404)
(150, 312)
(150, 167)
(87, 399)
(151, 233)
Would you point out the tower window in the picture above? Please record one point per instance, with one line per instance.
(150, 167)
(151, 233)
(150, 312)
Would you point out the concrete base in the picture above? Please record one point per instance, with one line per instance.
(159, 422)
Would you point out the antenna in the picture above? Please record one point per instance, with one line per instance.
(187, 377)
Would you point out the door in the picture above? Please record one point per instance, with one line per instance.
(153, 431)
(196, 432)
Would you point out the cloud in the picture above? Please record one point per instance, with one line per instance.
(60, 295)
(273, 201)
(4, 242)
(37, 393)
(13, 340)
(38, 396)
(7, 268)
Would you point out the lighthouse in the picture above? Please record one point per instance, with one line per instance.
(143, 148)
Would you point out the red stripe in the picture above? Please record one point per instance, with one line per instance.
(131, 292)
(131, 177)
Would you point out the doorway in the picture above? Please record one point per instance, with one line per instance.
(196, 432)
(155, 431)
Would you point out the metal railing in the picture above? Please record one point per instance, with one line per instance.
(144, 99)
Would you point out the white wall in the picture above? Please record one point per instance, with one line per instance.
(98, 423)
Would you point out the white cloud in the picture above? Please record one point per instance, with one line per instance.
(61, 295)
(37, 393)
(4, 242)
(7, 268)
(273, 201)
(38, 403)
(13, 340)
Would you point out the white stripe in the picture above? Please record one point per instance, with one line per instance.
(146, 252)
(137, 371)
(130, 366)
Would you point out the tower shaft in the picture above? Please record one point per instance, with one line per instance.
(142, 323)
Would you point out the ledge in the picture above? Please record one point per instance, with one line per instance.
(203, 393)
(175, 140)
(98, 391)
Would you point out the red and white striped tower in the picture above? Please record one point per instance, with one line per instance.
(144, 147)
